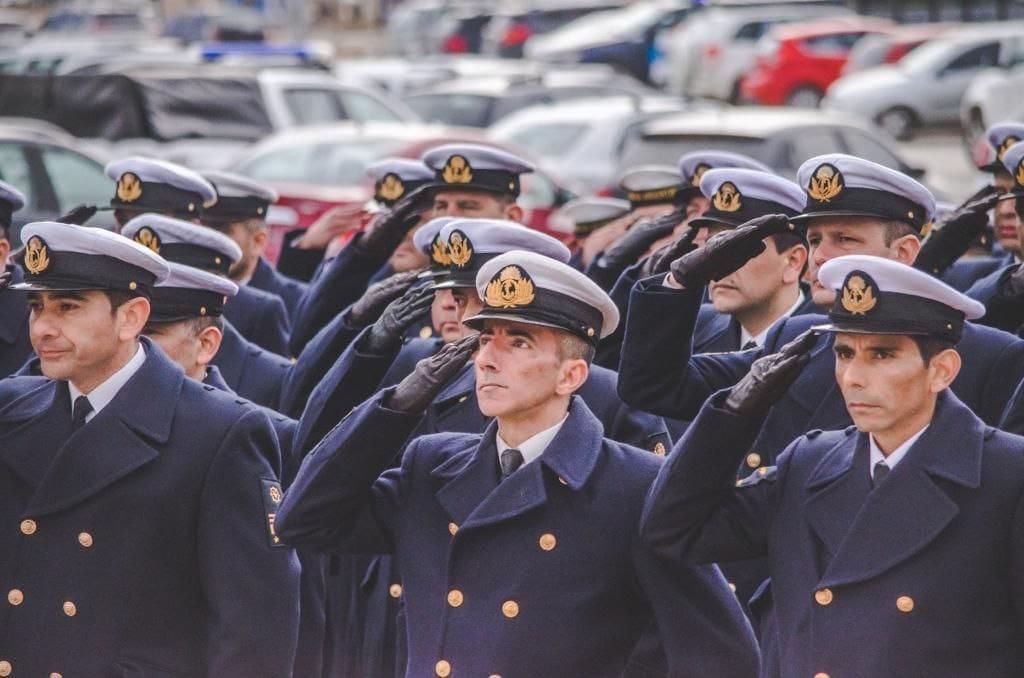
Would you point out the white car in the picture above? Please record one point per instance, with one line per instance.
(581, 140)
(925, 87)
(993, 96)
(710, 52)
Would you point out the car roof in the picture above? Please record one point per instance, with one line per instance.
(342, 131)
(747, 121)
(839, 24)
(593, 109)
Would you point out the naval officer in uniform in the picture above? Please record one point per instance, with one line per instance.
(138, 507)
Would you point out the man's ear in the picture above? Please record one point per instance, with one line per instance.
(209, 343)
(514, 213)
(796, 260)
(5, 251)
(134, 315)
(571, 376)
(906, 249)
(943, 369)
(259, 241)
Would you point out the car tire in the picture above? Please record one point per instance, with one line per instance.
(899, 122)
(805, 96)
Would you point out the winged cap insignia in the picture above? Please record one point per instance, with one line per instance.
(460, 249)
(698, 173)
(129, 187)
(511, 288)
(727, 198)
(858, 295)
(1019, 177)
(826, 183)
(1005, 146)
(391, 187)
(457, 170)
(147, 237)
(37, 258)
(439, 252)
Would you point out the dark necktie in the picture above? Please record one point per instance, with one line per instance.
(511, 460)
(79, 412)
(881, 471)
(749, 345)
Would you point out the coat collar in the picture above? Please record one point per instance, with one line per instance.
(13, 309)
(263, 276)
(215, 379)
(870, 531)
(468, 481)
(119, 440)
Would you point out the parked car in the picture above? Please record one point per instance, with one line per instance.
(925, 88)
(708, 54)
(781, 138)
(317, 168)
(622, 38)
(54, 171)
(993, 96)
(480, 102)
(401, 76)
(797, 63)
(507, 32)
(888, 48)
(581, 139)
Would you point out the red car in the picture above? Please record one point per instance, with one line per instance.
(798, 62)
(314, 169)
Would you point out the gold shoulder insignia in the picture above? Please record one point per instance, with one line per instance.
(460, 249)
(1005, 146)
(37, 259)
(859, 294)
(457, 171)
(391, 187)
(826, 183)
(147, 237)
(511, 288)
(727, 198)
(129, 187)
(698, 174)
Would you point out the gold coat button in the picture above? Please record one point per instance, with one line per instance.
(395, 590)
(28, 526)
(70, 609)
(510, 609)
(494, 675)
(823, 596)
(905, 604)
(548, 542)
(563, 480)
(443, 669)
(453, 528)
(85, 539)
(15, 597)
(455, 598)
(5, 668)
(732, 587)
(56, 675)
(821, 675)
(753, 460)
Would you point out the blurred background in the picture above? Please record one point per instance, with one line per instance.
(304, 94)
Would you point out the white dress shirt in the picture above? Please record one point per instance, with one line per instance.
(533, 446)
(101, 396)
(895, 456)
(759, 339)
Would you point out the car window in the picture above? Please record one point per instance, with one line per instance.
(537, 191)
(14, 170)
(752, 31)
(976, 57)
(365, 108)
(666, 149)
(468, 110)
(808, 142)
(75, 178)
(550, 140)
(312, 106)
(326, 164)
(836, 42)
(863, 145)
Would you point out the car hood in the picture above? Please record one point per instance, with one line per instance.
(873, 79)
(570, 40)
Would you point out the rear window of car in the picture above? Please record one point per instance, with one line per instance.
(550, 140)
(464, 110)
(325, 164)
(666, 149)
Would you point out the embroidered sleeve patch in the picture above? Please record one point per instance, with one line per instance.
(272, 495)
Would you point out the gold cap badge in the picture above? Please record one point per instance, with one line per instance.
(391, 187)
(859, 294)
(826, 183)
(439, 252)
(460, 249)
(129, 187)
(37, 259)
(511, 288)
(727, 198)
(457, 170)
(698, 173)
(147, 237)
(1019, 176)
(1005, 146)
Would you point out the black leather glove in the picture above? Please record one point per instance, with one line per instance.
(78, 215)
(770, 377)
(391, 228)
(627, 249)
(950, 239)
(728, 251)
(5, 280)
(387, 332)
(377, 296)
(661, 261)
(414, 393)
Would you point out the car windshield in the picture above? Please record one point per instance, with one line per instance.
(549, 140)
(463, 110)
(667, 149)
(332, 163)
(927, 57)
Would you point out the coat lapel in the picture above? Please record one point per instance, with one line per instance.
(910, 509)
(121, 438)
(13, 310)
(35, 426)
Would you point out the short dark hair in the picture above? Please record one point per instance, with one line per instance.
(897, 229)
(571, 347)
(197, 325)
(930, 347)
(118, 298)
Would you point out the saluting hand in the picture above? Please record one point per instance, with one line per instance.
(661, 261)
(378, 295)
(770, 377)
(386, 333)
(414, 393)
(638, 238)
(5, 280)
(387, 231)
(728, 251)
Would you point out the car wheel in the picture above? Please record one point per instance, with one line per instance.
(898, 122)
(804, 97)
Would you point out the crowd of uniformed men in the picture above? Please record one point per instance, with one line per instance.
(740, 426)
